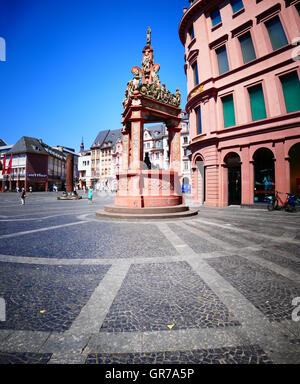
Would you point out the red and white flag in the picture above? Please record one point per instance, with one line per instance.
(9, 165)
(3, 165)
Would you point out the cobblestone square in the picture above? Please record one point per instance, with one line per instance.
(217, 288)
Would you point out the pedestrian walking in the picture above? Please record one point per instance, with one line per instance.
(90, 195)
(23, 196)
(30, 189)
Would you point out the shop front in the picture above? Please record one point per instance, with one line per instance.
(264, 175)
(38, 182)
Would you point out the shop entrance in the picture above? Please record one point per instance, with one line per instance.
(233, 162)
(264, 174)
(294, 154)
(200, 180)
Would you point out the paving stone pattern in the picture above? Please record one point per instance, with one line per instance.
(250, 354)
(213, 289)
(154, 296)
(272, 294)
(83, 241)
(46, 298)
(24, 358)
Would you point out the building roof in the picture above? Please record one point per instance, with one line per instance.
(53, 151)
(33, 145)
(5, 148)
(28, 145)
(109, 135)
(100, 138)
(61, 149)
(156, 131)
(2, 143)
(113, 135)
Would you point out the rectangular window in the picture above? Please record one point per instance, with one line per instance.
(191, 32)
(257, 102)
(222, 60)
(199, 120)
(236, 5)
(291, 90)
(276, 33)
(215, 17)
(195, 72)
(247, 47)
(228, 111)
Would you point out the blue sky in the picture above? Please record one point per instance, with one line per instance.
(68, 63)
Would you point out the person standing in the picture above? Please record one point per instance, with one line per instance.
(23, 196)
(90, 195)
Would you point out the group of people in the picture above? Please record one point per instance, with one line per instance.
(22, 193)
(18, 189)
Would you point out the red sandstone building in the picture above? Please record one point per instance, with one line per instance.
(243, 98)
(35, 164)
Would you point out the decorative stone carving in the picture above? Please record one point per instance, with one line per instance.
(136, 102)
(149, 36)
(198, 90)
(150, 85)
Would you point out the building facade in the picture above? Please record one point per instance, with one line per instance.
(243, 98)
(84, 169)
(156, 148)
(103, 159)
(32, 163)
(186, 180)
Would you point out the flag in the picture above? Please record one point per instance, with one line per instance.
(3, 165)
(9, 165)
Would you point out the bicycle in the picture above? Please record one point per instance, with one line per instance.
(276, 203)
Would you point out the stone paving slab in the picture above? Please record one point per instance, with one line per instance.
(194, 241)
(20, 341)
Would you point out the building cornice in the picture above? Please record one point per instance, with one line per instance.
(190, 12)
(257, 128)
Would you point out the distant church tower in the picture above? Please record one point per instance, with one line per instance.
(81, 146)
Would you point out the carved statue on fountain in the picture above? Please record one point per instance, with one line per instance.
(146, 80)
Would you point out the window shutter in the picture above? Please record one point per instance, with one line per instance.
(247, 48)
(222, 60)
(276, 33)
(257, 102)
(228, 111)
(291, 90)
